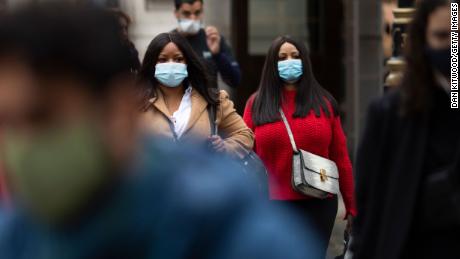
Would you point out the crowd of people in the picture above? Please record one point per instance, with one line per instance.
(104, 156)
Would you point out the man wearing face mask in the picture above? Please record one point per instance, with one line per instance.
(207, 42)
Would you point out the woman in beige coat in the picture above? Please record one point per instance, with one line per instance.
(179, 100)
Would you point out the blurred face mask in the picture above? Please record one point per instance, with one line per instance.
(171, 74)
(440, 60)
(290, 70)
(189, 26)
(55, 173)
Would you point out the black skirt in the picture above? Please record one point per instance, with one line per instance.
(319, 217)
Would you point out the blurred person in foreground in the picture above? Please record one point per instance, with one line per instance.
(207, 42)
(407, 170)
(82, 186)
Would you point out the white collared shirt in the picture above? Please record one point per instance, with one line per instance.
(181, 117)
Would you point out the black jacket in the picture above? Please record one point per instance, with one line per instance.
(391, 162)
(223, 63)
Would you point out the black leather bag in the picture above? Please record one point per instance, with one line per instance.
(251, 164)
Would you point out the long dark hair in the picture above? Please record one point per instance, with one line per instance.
(418, 76)
(310, 95)
(197, 73)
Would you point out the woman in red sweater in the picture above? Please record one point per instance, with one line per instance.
(288, 82)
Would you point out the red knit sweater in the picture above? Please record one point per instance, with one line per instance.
(319, 135)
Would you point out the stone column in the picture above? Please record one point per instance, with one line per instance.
(148, 23)
(364, 63)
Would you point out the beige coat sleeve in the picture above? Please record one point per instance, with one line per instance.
(232, 128)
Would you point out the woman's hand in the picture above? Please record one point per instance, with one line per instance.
(217, 144)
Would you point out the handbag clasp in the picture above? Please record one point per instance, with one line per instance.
(323, 175)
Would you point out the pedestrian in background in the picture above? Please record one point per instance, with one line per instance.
(207, 42)
(288, 83)
(179, 97)
(407, 181)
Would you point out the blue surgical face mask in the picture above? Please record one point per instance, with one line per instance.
(290, 70)
(171, 74)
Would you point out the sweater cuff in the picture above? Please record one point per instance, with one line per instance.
(351, 212)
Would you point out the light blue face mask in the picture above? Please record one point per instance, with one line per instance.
(171, 74)
(290, 70)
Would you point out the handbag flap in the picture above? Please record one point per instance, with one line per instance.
(319, 164)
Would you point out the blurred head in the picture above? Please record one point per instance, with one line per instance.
(166, 52)
(288, 62)
(427, 53)
(68, 117)
(438, 28)
(189, 14)
(125, 22)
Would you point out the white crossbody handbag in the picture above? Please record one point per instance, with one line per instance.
(312, 175)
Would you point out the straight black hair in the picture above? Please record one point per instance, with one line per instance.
(198, 76)
(178, 3)
(310, 94)
(418, 76)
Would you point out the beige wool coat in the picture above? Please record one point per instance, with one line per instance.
(237, 137)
